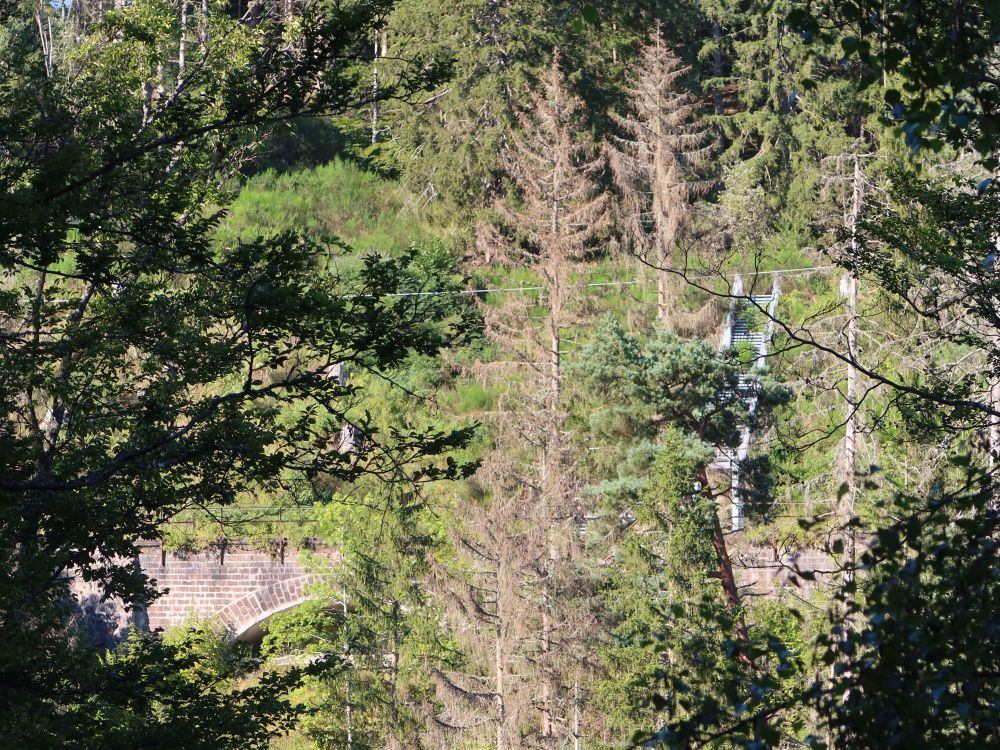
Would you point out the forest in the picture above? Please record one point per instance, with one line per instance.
(625, 373)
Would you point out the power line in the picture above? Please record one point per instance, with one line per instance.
(598, 284)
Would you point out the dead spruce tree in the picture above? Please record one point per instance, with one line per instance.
(500, 552)
(556, 215)
(853, 203)
(653, 160)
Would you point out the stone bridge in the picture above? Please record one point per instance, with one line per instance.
(770, 572)
(241, 586)
(234, 583)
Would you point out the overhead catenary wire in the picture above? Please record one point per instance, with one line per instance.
(541, 288)
(598, 284)
(268, 514)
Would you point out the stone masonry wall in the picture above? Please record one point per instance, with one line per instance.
(768, 572)
(242, 586)
(239, 585)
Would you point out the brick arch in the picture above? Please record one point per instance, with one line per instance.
(245, 616)
(239, 585)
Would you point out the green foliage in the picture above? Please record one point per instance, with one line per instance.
(159, 693)
(909, 647)
(177, 281)
(673, 627)
(149, 366)
(672, 624)
(450, 144)
(669, 381)
(913, 648)
(370, 609)
(942, 54)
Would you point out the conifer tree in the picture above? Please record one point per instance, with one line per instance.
(500, 550)
(661, 583)
(560, 213)
(653, 160)
(447, 143)
(371, 608)
(649, 393)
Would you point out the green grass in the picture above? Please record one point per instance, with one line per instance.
(337, 199)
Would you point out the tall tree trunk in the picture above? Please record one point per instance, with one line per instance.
(551, 453)
(45, 37)
(847, 503)
(726, 576)
(203, 26)
(994, 431)
(550, 486)
(500, 681)
(378, 50)
(718, 100)
(576, 715)
(660, 170)
(662, 296)
(394, 742)
(551, 490)
(348, 708)
(182, 42)
(717, 94)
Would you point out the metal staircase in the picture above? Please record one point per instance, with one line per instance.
(741, 330)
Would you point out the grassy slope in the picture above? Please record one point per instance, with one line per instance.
(337, 199)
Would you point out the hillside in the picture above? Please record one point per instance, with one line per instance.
(563, 375)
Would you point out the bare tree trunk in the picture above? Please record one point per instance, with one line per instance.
(576, 715)
(717, 95)
(851, 422)
(394, 671)
(551, 451)
(348, 708)
(348, 719)
(182, 42)
(847, 509)
(203, 26)
(500, 682)
(45, 37)
(377, 52)
(662, 296)
(660, 169)
(994, 431)
(994, 434)
(726, 576)
(551, 489)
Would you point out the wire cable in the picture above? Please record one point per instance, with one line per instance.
(598, 284)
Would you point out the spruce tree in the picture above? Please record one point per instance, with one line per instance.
(559, 213)
(653, 161)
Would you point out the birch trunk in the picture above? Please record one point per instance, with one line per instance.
(182, 43)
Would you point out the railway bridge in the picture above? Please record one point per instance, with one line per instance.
(232, 582)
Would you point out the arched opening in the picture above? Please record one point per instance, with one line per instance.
(253, 631)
